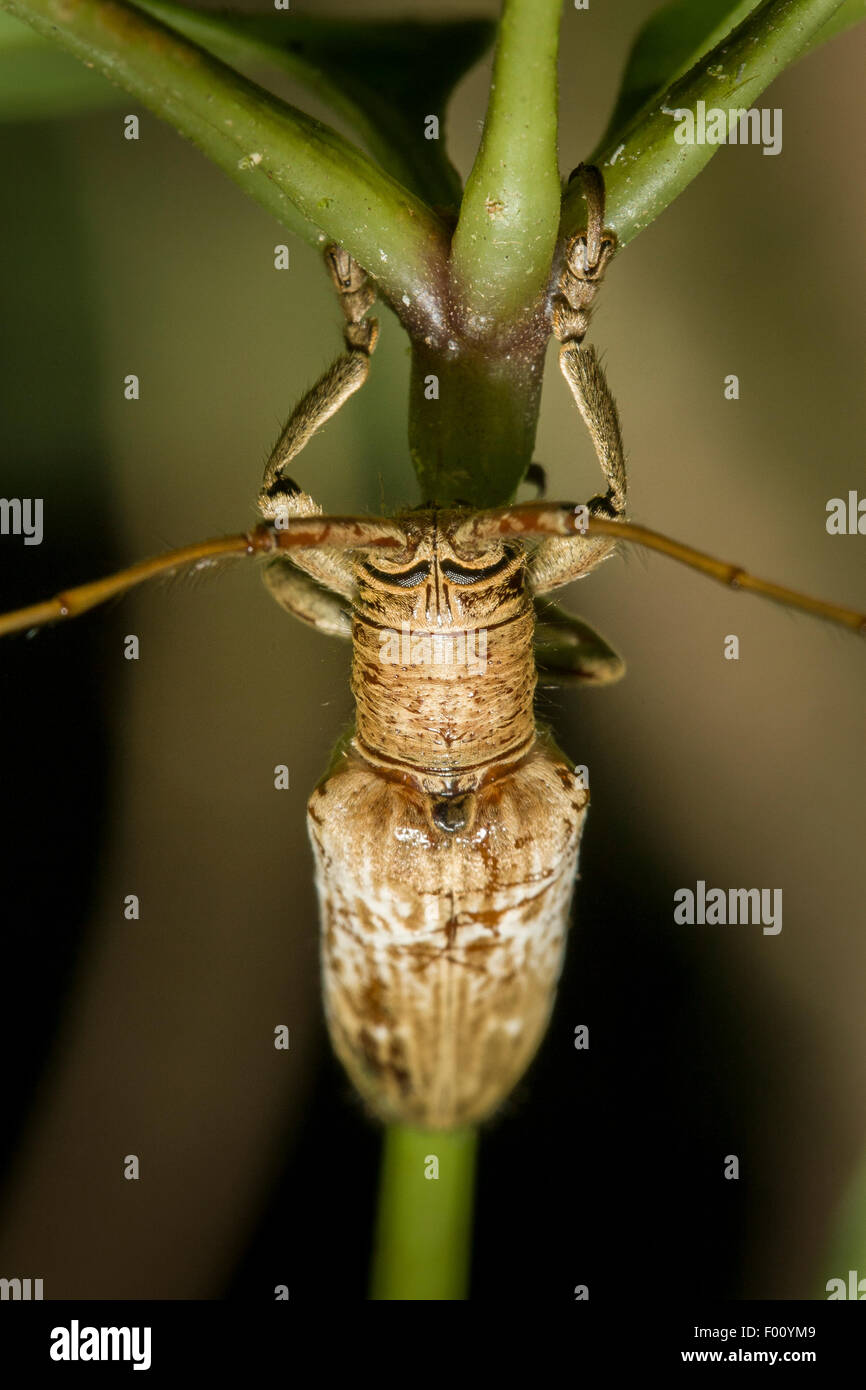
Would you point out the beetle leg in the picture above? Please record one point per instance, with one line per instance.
(301, 596)
(569, 650)
(342, 379)
(557, 562)
(280, 496)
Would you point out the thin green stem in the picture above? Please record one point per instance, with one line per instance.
(471, 436)
(424, 1224)
(673, 39)
(382, 76)
(504, 242)
(318, 184)
(648, 169)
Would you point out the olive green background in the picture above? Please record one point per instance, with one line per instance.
(155, 777)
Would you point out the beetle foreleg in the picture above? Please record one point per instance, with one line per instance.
(342, 379)
(568, 649)
(555, 562)
(280, 496)
(307, 600)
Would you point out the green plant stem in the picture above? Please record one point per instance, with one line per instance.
(473, 441)
(318, 184)
(382, 76)
(673, 39)
(648, 169)
(849, 13)
(424, 1222)
(475, 391)
(509, 218)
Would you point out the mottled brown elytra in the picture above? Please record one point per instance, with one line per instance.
(446, 830)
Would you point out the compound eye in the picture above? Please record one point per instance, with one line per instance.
(403, 579)
(463, 574)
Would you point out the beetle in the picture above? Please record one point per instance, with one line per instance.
(446, 831)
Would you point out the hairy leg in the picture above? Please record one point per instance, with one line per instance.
(558, 562)
(280, 497)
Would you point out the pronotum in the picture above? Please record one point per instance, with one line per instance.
(447, 828)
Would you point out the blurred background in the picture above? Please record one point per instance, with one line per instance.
(155, 777)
